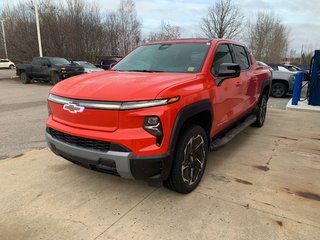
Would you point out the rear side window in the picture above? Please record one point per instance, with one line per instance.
(241, 57)
(223, 55)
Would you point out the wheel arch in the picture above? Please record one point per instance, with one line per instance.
(192, 114)
(266, 87)
(199, 113)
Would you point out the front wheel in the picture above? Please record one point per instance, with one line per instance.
(55, 78)
(278, 90)
(190, 160)
(24, 78)
(11, 66)
(262, 112)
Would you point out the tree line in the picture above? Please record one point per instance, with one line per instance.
(73, 29)
(78, 30)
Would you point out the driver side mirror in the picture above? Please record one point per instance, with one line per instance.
(227, 70)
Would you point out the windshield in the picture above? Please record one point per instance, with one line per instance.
(59, 61)
(168, 57)
(86, 64)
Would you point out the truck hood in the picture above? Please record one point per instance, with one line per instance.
(118, 86)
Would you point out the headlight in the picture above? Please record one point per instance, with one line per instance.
(152, 125)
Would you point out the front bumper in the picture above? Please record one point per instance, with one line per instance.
(124, 164)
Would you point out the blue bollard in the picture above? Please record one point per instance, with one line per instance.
(297, 88)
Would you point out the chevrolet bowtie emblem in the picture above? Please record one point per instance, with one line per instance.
(73, 108)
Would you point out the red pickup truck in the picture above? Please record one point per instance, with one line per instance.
(159, 111)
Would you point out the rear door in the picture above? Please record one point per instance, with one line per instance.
(247, 77)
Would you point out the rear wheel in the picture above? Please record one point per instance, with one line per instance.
(11, 66)
(189, 161)
(278, 90)
(24, 78)
(55, 78)
(262, 112)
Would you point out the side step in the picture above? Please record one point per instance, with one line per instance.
(219, 142)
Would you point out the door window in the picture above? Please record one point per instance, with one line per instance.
(223, 55)
(241, 57)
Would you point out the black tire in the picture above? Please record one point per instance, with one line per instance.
(189, 161)
(278, 90)
(11, 66)
(24, 78)
(261, 112)
(55, 78)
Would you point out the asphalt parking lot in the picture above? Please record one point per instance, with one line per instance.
(262, 185)
(23, 112)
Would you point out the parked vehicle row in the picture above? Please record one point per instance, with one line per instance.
(49, 69)
(55, 69)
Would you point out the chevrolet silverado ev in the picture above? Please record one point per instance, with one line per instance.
(156, 114)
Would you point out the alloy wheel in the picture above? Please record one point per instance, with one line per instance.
(194, 159)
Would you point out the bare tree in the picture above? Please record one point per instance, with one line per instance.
(268, 38)
(167, 32)
(224, 20)
(130, 27)
(70, 28)
(122, 29)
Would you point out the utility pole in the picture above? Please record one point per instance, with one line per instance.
(4, 39)
(38, 27)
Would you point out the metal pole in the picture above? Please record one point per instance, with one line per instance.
(4, 39)
(38, 27)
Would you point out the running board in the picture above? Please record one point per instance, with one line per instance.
(219, 142)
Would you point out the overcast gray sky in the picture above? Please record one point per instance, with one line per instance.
(302, 17)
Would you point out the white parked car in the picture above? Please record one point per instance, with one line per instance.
(6, 63)
(282, 80)
(88, 67)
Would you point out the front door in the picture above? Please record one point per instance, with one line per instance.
(228, 96)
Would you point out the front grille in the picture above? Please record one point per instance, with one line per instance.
(79, 141)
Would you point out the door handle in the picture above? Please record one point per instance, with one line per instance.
(238, 84)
